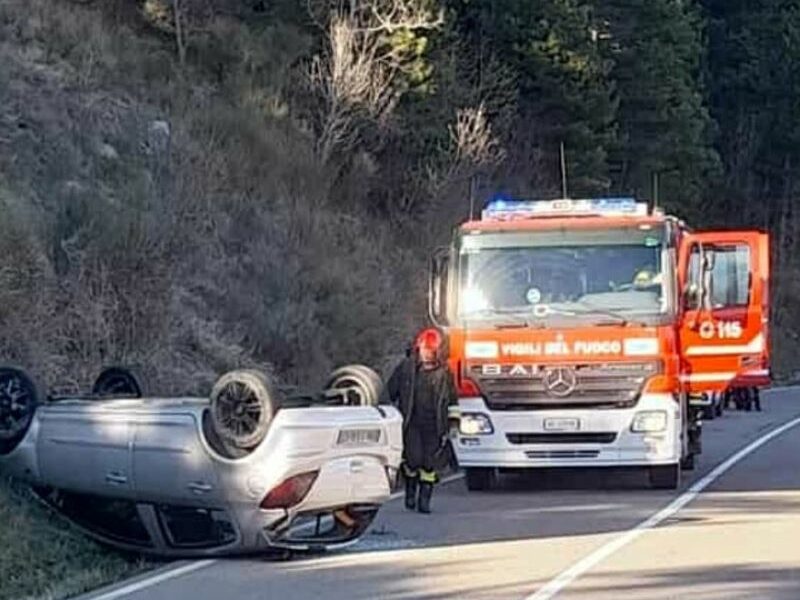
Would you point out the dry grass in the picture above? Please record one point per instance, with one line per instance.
(187, 253)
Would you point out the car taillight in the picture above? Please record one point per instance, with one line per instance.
(290, 492)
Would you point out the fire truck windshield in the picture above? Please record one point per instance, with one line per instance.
(611, 277)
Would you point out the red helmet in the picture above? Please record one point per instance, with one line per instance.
(429, 339)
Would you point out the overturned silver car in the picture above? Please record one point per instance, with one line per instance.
(246, 470)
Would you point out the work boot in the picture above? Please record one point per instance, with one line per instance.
(425, 493)
(411, 492)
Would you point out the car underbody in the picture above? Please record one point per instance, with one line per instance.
(244, 470)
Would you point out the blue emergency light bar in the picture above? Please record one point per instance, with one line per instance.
(504, 209)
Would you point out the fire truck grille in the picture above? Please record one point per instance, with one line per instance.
(562, 453)
(529, 387)
(562, 438)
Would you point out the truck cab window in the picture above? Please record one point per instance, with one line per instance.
(731, 276)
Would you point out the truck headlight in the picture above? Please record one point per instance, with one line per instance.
(475, 424)
(649, 421)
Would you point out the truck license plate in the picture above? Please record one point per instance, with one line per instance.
(359, 437)
(561, 424)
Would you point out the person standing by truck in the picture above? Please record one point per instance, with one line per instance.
(422, 388)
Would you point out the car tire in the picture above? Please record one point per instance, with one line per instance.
(243, 404)
(357, 384)
(665, 477)
(480, 479)
(119, 382)
(19, 397)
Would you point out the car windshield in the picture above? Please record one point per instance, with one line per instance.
(613, 280)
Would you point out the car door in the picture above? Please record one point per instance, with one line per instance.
(724, 279)
(84, 449)
(170, 463)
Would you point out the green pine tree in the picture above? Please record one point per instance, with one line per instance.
(664, 125)
(564, 93)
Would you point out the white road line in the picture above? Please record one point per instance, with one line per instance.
(565, 578)
(164, 575)
(172, 572)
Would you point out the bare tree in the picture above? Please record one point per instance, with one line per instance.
(181, 18)
(473, 140)
(179, 32)
(359, 74)
(473, 148)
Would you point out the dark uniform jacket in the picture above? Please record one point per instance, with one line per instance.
(401, 388)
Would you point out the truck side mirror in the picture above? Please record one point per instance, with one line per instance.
(709, 260)
(437, 287)
(692, 297)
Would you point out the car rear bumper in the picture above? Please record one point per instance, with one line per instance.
(327, 529)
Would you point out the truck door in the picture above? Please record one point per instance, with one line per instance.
(724, 284)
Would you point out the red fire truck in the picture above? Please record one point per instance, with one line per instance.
(579, 332)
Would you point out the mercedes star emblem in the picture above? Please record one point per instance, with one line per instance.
(560, 381)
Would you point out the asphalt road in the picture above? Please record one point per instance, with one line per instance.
(731, 531)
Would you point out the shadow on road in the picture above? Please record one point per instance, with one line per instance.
(731, 582)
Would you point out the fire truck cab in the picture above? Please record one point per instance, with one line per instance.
(578, 331)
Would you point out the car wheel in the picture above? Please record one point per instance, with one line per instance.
(665, 477)
(118, 382)
(480, 479)
(19, 397)
(357, 385)
(243, 403)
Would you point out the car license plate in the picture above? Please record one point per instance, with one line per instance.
(359, 437)
(561, 424)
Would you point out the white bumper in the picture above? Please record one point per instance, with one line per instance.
(348, 477)
(535, 445)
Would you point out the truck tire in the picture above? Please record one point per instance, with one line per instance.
(243, 404)
(358, 385)
(665, 477)
(118, 382)
(480, 479)
(19, 397)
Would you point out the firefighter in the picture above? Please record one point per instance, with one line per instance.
(756, 393)
(422, 388)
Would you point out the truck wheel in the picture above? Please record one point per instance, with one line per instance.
(665, 477)
(243, 403)
(480, 479)
(118, 382)
(19, 397)
(358, 385)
